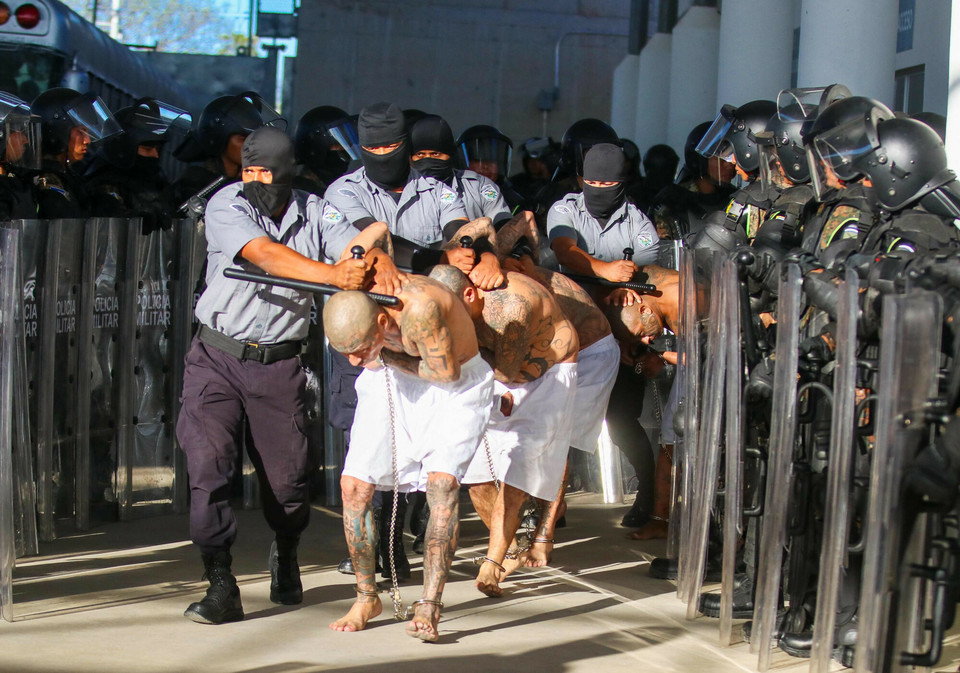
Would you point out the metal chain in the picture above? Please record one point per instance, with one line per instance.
(399, 613)
(657, 409)
(493, 471)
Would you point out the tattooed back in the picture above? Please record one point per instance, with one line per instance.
(524, 330)
(579, 307)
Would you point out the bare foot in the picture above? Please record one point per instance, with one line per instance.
(424, 623)
(488, 580)
(510, 563)
(652, 530)
(365, 609)
(538, 555)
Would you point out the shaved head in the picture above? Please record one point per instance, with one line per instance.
(630, 323)
(350, 320)
(452, 277)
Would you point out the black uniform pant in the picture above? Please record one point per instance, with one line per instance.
(218, 392)
(623, 423)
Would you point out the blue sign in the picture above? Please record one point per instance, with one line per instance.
(905, 25)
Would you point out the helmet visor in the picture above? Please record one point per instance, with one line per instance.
(712, 144)
(768, 163)
(343, 137)
(268, 116)
(843, 145)
(21, 133)
(822, 177)
(489, 156)
(155, 119)
(92, 114)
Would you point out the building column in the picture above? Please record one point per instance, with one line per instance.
(623, 100)
(953, 96)
(653, 93)
(693, 73)
(853, 42)
(756, 50)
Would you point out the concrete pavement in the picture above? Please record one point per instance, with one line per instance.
(111, 600)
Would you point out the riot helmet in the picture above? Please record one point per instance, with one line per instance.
(148, 123)
(694, 163)
(326, 140)
(660, 165)
(226, 116)
(485, 150)
(935, 121)
(905, 160)
(632, 154)
(577, 139)
(19, 133)
(732, 133)
(839, 127)
(63, 110)
(797, 109)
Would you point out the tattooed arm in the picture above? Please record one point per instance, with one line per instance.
(523, 224)
(479, 228)
(424, 329)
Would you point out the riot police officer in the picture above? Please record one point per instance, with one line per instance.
(19, 154)
(70, 123)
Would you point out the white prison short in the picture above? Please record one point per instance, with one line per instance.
(597, 367)
(529, 447)
(438, 425)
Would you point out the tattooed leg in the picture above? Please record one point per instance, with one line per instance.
(358, 527)
(440, 543)
(541, 551)
(505, 520)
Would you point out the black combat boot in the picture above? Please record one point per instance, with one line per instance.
(385, 542)
(285, 585)
(742, 599)
(222, 602)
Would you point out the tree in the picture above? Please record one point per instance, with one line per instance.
(191, 26)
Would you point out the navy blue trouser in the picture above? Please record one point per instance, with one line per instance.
(218, 392)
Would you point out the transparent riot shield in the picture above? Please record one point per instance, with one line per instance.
(104, 253)
(708, 440)
(32, 243)
(185, 300)
(733, 450)
(685, 452)
(909, 360)
(9, 260)
(837, 505)
(687, 313)
(782, 439)
(145, 449)
(57, 381)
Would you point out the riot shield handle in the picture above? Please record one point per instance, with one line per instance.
(302, 285)
(943, 613)
(756, 509)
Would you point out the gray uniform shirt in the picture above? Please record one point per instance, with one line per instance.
(264, 313)
(481, 197)
(425, 205)
(627, 228)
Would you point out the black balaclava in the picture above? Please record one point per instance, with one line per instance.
(433, 133)
(269, 147)
(603, 163)
(379, 125)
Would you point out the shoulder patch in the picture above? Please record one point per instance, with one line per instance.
(349, 193)
(447, 196)
(490, 193)
(331, 215)
(560, 208)
(645, 240)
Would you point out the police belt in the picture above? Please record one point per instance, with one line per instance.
(242, 350)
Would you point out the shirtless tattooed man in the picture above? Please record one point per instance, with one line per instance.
(422, 374)
(532, 347)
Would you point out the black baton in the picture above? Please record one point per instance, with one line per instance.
(302, 285)
(642, 288)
